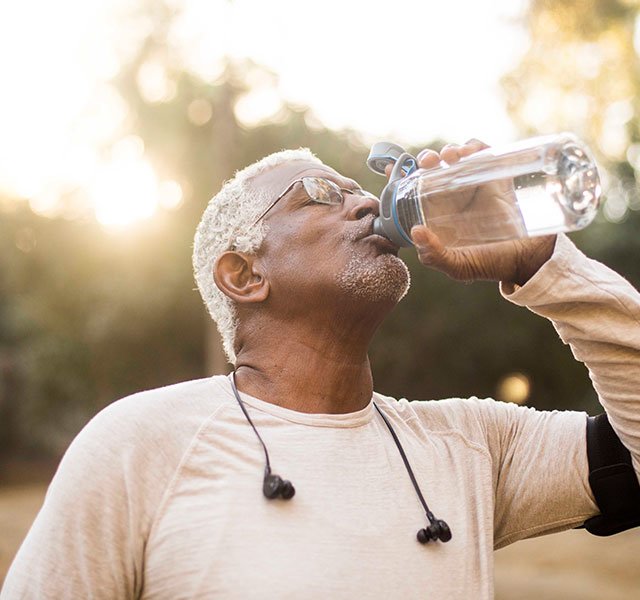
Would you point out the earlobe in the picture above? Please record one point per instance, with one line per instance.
(239, 277)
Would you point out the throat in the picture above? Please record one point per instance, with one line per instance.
(306, 382)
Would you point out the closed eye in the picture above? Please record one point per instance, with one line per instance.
(359, 192)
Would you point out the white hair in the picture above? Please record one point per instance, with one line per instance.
(227, 223)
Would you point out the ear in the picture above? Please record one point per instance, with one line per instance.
(239, 277)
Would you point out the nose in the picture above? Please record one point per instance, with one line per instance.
(359, 206)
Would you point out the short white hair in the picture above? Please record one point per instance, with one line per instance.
(227, 223)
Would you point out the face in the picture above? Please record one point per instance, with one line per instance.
(316, 250)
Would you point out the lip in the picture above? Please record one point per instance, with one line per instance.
(382, 242)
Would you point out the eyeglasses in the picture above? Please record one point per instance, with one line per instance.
(320, 190)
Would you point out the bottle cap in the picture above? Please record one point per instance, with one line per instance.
(383, 154)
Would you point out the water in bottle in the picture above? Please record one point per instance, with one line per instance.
(539, 186)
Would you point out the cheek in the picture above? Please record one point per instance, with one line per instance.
(303, 246)
(309, 269)
(304, 265)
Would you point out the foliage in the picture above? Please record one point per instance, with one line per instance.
(86, 317)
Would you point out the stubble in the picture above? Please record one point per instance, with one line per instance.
(384, 277)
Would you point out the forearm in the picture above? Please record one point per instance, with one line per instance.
(598, 313)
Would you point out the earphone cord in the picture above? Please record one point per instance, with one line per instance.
(407, 466)
(246, 414)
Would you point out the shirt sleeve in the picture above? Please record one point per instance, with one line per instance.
(88, 539)
(82, 543)
(540, 470)
(596, 312)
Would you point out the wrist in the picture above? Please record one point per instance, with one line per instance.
(538, 251)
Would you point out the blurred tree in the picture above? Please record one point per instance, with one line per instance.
(86, 316)
(582, 73)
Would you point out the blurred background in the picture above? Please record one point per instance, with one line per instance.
(120, 119)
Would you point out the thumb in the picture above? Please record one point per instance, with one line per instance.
(431, 251)
(434, 254)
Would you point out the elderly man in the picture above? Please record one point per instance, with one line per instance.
(293, 478)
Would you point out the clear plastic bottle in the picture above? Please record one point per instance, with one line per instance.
(535, 187)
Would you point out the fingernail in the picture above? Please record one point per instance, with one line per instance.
(423, 153)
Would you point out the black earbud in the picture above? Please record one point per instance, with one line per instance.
(437, 530)
(274, 486)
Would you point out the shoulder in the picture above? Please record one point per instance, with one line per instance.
(476, 419)
(462, 414)
(497, 426)
(175, 406)
(149, 431)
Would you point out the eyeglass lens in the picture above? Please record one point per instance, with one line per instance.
(322, 190)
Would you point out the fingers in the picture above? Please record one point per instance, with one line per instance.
(428, 159)
(511, 261)
(476, 144)
(427, 243)
(452, 153)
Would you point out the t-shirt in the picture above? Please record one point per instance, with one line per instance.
(160, 496)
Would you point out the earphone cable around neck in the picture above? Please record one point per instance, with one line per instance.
(407, 465)
(274, 486)
(246, 414)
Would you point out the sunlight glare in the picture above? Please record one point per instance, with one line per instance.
(170, 195)
(199, 112)
(154, 82)
(257, 106)
(124, 192)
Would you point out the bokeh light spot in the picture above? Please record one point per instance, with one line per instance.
(199, 112)
(513, 387)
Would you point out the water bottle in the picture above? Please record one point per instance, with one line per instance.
(538, 186)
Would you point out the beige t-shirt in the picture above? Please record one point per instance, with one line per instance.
(160, 496)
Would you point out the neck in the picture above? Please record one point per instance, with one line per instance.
(309, 367)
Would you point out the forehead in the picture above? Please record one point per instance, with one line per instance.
(277, 179)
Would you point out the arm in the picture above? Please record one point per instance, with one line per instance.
(597, 313)
(83, 542)
(88, 540)
(593, 309)
(540, 458)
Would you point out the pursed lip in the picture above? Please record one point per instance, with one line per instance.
(382, 243)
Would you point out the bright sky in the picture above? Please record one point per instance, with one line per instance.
(425, 68)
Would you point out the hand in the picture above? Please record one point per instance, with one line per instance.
(512, 261)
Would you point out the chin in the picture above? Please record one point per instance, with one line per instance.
(385, 279)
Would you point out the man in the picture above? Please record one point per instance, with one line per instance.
(161, 495)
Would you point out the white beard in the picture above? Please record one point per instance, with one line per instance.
(384, 278)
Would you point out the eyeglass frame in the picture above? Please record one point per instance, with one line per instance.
(301, 179)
